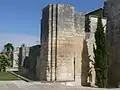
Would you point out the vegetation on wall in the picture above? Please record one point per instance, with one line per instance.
(101, 57)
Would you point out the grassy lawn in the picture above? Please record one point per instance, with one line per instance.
(6, 76)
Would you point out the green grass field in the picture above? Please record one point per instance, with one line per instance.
(6, 76)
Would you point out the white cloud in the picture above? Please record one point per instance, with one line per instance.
(17, 39)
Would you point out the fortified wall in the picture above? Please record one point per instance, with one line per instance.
(112, 8)
(66, 44)
(66, 49)
(62, 36)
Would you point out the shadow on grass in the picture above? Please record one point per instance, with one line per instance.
(6, 76)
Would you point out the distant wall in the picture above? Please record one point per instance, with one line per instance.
(34, 52)
(23, 54)
(28, 61)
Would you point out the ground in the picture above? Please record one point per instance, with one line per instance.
(17, 84)
(5, 76)
(22, 85)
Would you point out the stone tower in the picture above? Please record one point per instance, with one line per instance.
(62, 33)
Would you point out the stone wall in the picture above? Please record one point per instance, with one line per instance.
(42, 63)
(113, 16)
(61, 43)
(23, 54)
(66, 46)
(34, 52)
(28, 61)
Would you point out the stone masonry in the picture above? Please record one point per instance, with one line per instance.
(62, 35)
(66, 44)
(112, 8)
(66, 49)
(27, 57)
(23, 53)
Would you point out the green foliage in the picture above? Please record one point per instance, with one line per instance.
(8, 47)
(4, 62)
(100, 52)
(8, 50)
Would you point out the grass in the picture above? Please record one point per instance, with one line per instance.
(6, 76)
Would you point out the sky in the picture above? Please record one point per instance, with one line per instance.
(20, 19)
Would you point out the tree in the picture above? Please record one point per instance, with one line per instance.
(4, 62)
(100, 52)
(8, 49)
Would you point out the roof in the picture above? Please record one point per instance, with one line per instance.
(96, 12)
